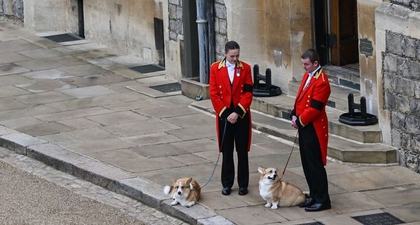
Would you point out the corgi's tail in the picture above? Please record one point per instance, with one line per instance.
(167, 189)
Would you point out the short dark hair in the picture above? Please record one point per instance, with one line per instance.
(231, 45)
(310, 54)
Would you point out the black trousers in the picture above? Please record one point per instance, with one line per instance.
(235, 135)
(313, 167)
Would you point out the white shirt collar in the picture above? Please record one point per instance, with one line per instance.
(313, 72)
(229, 64)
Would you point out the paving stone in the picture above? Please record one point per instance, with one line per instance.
(39, 64)
(41, 53)
(89, 92)
(196, 132)
(7, 69)
(143, 127)
(99, 145)
(44, 97)
(12, 57)
(80, 123)
(50, 74)
(217, 201)
(83, 70)
(353, 202)
(117, 118)
(84, 103)
(7, 104)
(100, 79)
(8, 91)
(89, 134)
(41, 129)
(259, 215)
(45, 85)
(152, 138)
(26, 112)
(71, 114)
(16, 46)
(14, 80)
(402, 195)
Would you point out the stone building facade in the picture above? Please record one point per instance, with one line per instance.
(399, 72)
(377, 39)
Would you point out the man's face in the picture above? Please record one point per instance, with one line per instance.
(308, 65)
(232, 55)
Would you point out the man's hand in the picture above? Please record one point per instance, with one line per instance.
(233, 117)
(294, 118)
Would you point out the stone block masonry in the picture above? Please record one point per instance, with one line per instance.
(401, 67)
(411, 4)
(12, 10)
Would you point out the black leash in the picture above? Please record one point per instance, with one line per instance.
(293, 146)
(218, 157)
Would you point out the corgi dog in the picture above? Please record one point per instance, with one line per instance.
(277, 192)
(185, 191)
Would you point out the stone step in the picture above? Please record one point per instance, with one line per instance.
(338, 97)
(343, 77)
(281, 106)
(341, 149)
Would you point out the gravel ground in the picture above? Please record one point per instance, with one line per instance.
(33, 193)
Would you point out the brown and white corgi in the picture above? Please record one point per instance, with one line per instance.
(185, 191)
(277, 192)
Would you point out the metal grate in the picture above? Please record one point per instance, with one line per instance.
(378, 219)
(63, 37)
(147, 68)
(165, 88)
(313, 223)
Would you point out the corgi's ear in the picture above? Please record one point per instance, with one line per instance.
(261, 170)
(174, 181)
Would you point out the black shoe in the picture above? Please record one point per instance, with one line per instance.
(243, 191)
(318, 207)
(226, 191)
(308, 202)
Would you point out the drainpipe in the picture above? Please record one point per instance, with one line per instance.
(202, 40)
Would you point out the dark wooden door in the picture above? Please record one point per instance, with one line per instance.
(343, 36)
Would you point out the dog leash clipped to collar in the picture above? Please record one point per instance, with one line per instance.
(218, 157)
(293, 146)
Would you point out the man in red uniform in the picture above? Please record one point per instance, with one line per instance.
(310, 118)
(231, 95)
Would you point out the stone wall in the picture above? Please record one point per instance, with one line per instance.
(220, 24)
(175, 35)
(12, 10)
(411, 4)
(175, 19)
(402, 95)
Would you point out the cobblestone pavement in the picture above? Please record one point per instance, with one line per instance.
(18, 208)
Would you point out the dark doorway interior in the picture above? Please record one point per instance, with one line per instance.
(81, 18)
(336, 32)
(159, 41)
(190, 51)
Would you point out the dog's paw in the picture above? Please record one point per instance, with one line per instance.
(189, 204)
(174, 202)
(267, 205)
(274, 207)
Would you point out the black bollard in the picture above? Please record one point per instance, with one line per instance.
(361, 118)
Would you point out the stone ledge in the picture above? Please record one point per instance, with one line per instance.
(192, 88)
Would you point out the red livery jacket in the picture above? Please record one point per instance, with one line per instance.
(222, 93)
(310, 106)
